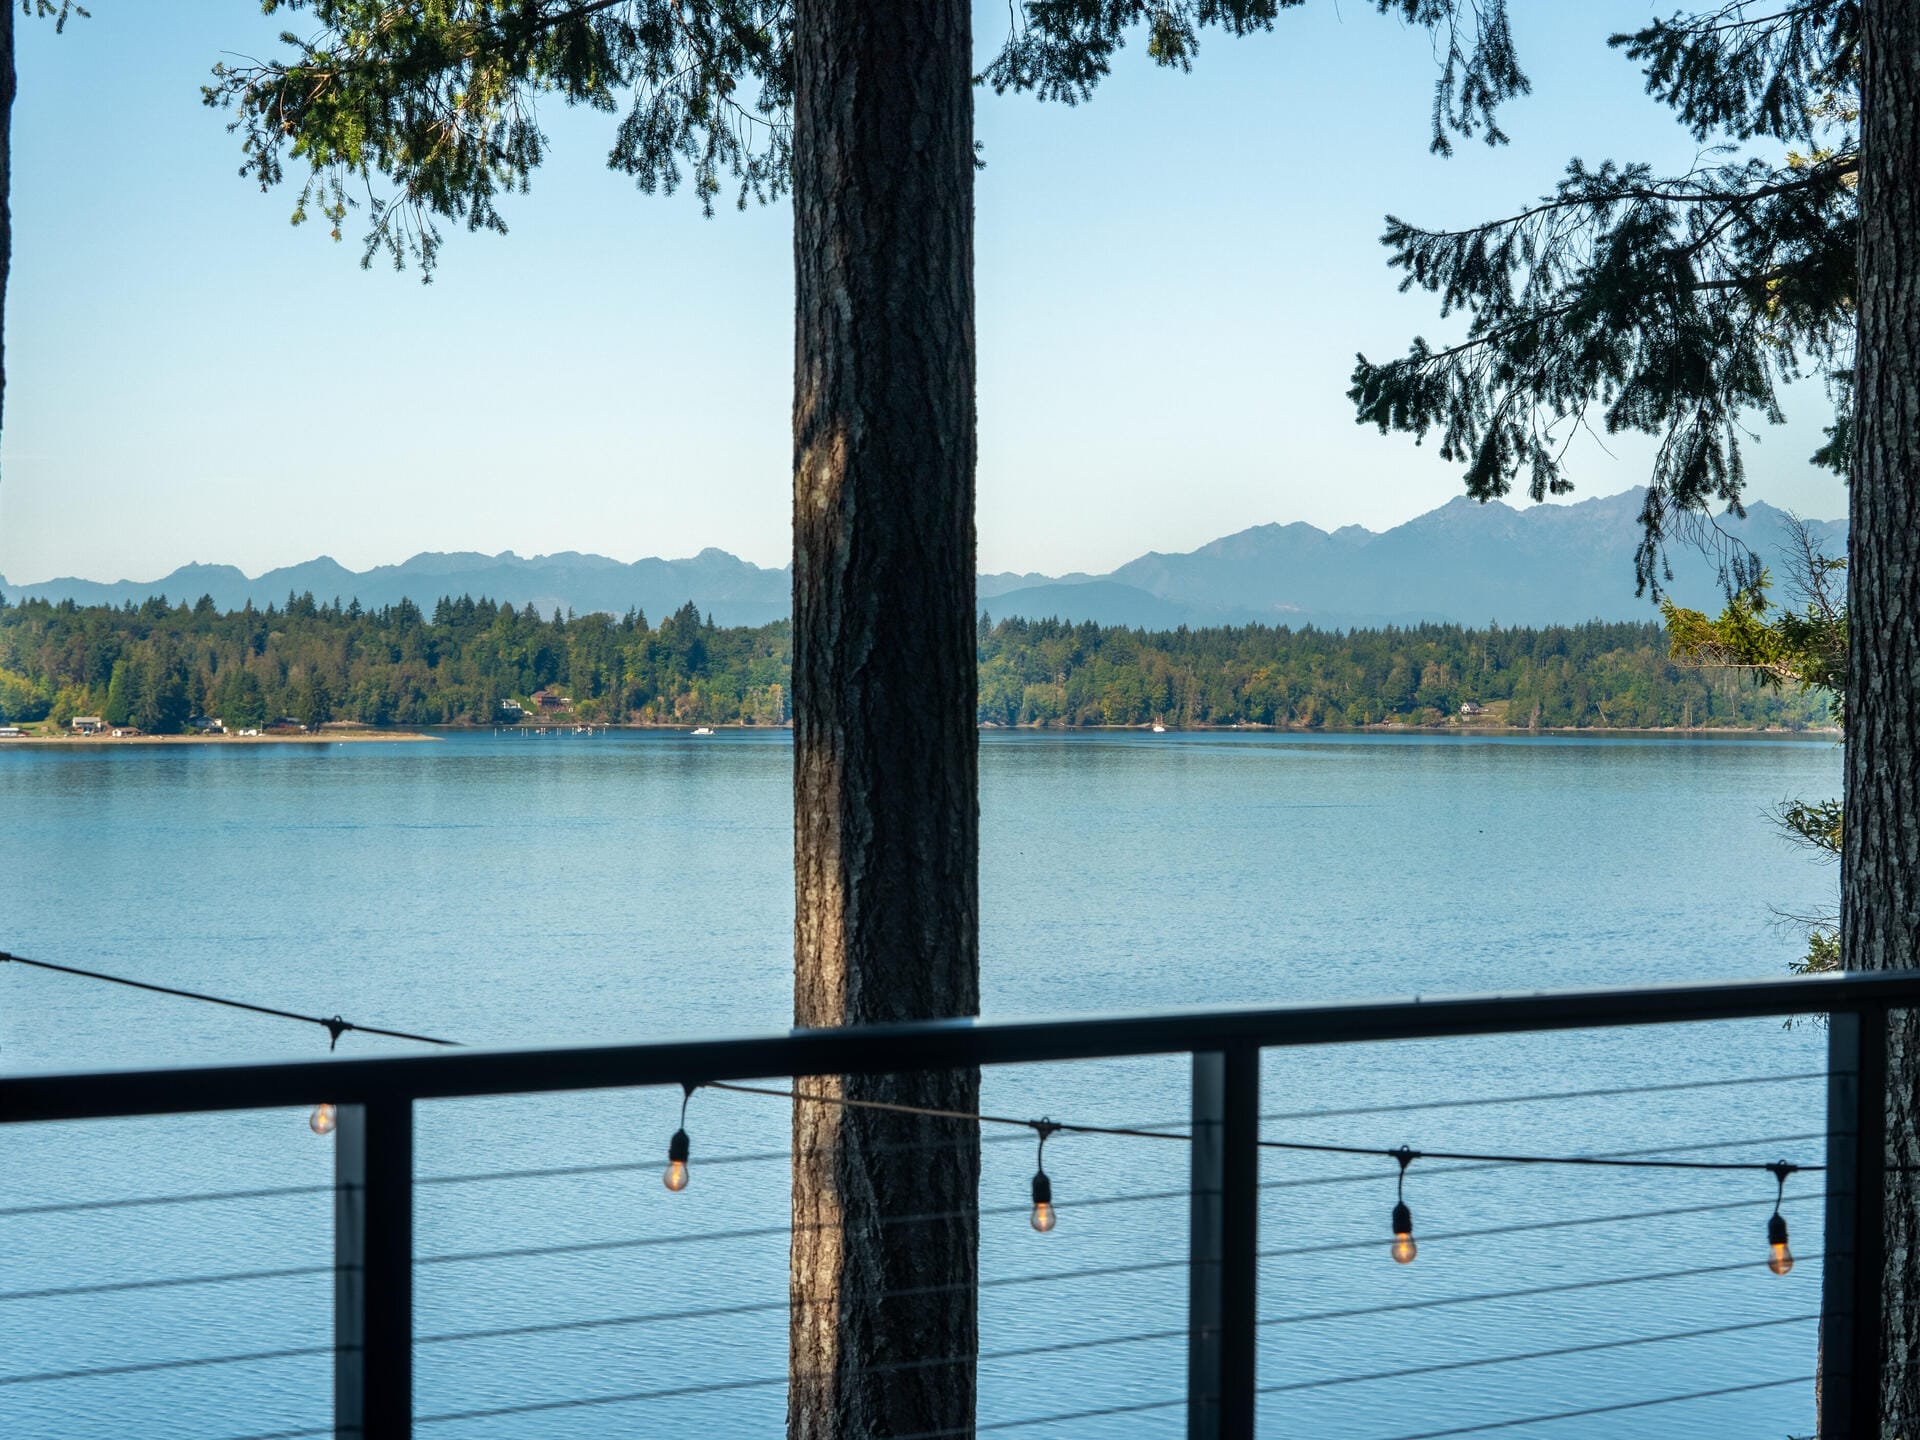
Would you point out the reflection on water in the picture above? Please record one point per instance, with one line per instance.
(513, 892)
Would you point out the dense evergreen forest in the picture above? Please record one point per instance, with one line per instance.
(157, 666)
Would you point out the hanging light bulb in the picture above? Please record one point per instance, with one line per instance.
(1404, 1248)
(676, 1177)
(1779, 1257)
(1044, 1218)
(323, 1119)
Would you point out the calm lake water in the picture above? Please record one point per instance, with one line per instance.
(513, 891)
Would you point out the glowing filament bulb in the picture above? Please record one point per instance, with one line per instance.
(1043, 1217)
(1403, 1247)
(676, 1177)
(1779, 1257)
(323, 1119)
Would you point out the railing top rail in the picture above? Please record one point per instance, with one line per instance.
(925, 1045)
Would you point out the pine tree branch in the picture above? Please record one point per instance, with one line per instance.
(1813, 176)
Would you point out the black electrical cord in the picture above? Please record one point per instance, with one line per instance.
(333, 1025)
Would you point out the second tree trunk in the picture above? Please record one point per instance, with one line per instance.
(1880, 865)
(886, 830)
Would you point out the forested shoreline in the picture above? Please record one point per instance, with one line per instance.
(159, 665)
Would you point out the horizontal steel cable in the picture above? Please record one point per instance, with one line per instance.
(1136, 1408)
(140, 1367)
(691, 1237)
(769, 1306)
(581, 1402)
(1564, 1287)
(1137, 1267)
(1181, 1262)
(1589, 1348)
(637, 1397)
(548, 1172)
(1023, 1352)
(1063, 1346)
(169, 1282)
(131, 1202)
(1546, 1095)
(554, 1327)
(1139, 1407)
(584, 1247)
(987, 1357)
(230, 1277)
(1607, 1409)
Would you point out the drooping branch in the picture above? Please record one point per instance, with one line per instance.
(1060, 50)
(439, 105)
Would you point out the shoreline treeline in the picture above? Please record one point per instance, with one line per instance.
(158, 665)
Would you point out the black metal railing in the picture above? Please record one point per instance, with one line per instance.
(374, 1259)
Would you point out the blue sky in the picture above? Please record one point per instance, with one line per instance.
(1172, 282)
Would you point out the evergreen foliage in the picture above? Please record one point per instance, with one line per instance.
(58, 11)
(1800, 645)
(1061, 49)
(1674, 305)
(438, 99)
(156, 665)
(1599, 675)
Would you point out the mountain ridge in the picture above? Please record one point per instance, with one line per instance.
(1463, 562)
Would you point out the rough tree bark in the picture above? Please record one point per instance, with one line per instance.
(1880, 866)
(886, 829)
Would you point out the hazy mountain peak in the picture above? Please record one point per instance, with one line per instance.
(1460, 561)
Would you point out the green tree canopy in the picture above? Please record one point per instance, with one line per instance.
(426, 111)
(1674, 304)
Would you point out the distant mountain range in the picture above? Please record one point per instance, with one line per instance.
(1464, 562)
(738, 593)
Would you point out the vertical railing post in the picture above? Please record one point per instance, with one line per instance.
(1203, 1246)
(373, 1271)
(1855, 1245)
(1224, 1235)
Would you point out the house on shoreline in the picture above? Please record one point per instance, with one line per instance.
(87, 724)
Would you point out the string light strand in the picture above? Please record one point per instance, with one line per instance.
(932, 1112)
(333, 1025)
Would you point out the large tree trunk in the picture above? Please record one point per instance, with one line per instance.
(1880, 869)
(886, 828)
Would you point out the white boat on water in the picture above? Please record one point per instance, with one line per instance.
(1158, 728)
(704, 730)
